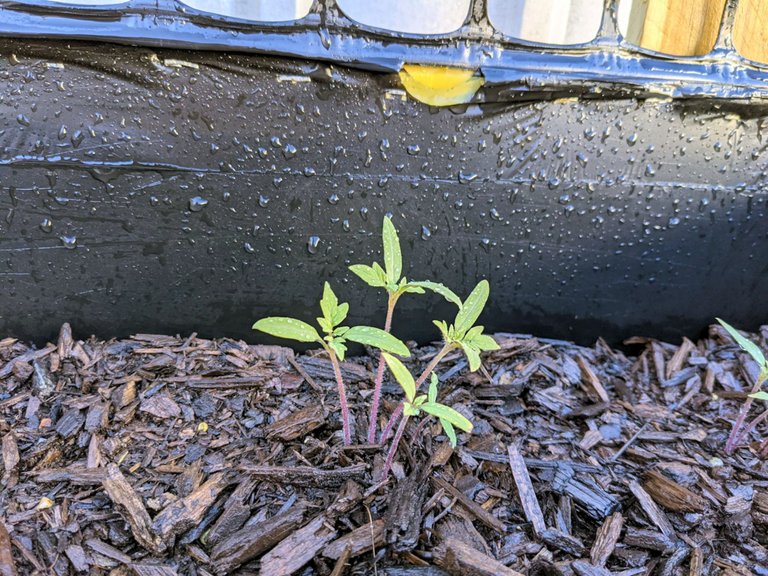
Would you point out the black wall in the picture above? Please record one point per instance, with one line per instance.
(178, 191)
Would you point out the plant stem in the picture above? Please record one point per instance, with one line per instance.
(380, 374)
(736, 435)
(342, 397)
(393, 447)
(427, 371)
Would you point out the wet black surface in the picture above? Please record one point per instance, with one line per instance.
(512, 68)
(169, 190)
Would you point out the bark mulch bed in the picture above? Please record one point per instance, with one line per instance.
(162, 455)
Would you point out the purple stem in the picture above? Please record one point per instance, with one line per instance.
(342, 397)
(427, 371)
(379, 376)
(393, 447)
(736, 436)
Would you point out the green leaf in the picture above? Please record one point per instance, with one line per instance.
(338, 347)
(393, 259)
(368, 274)
(747, 345)
(449, 431)
(443, 327)
(289, 328)
(339, 331)
(473, 333)
(380, 272)
(328, 303)
(377, 338)
(325, 325)
(449, 414)
(762, 395)
(472, 307)
(410, 410)
(340, 314)
(440, 289)
(402, 375)
(432, 393)
(485, 343)
(472, 354)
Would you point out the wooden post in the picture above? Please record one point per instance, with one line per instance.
(750, 30)
(675, 27)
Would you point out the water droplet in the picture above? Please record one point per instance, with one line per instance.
(494, 214)
(466, 177)
(674, 221)
(650, 170)
(333, 199)
(426, 234)
(345, 225)
(249, 248)
(23, 120)
(312, 244)
(632, 139)
(289, 151)
(46, 225)
(263, 201)
(77, 138)
(70, 242)
(154, 201)
(413, 150)
(197, 203)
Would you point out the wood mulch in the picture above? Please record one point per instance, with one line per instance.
(161, 455)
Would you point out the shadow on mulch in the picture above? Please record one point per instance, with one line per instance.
(160, 455)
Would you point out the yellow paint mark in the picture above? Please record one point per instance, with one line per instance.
(440, 85)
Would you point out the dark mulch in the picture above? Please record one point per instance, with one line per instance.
(162, 455)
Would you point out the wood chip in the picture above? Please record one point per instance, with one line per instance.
(7, 565)
(142, 569)
(105, 549)
(655, 514)
(590, 376)
(160, 406)
(605, 541)
(131, 508)
(188, 511)
(297, 424)
(299, 548)
(459, 559)
(525, 491)
(672, 495)
(305, 475)
(360, 540)
(76, 555)
(253, 541)
(472, 507)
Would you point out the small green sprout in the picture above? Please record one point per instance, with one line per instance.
(414, 405)
(463, 333)
(334, 341)
(389, 278)
(757, 355)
